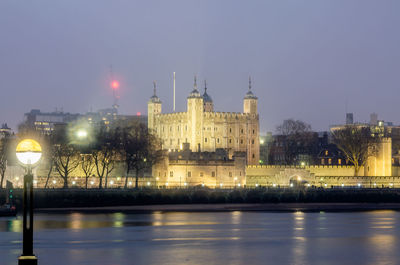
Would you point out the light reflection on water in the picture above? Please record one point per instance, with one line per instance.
(209, 238)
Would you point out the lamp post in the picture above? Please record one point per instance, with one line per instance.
(28, 153)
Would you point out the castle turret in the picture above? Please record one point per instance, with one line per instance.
(195, 109)
(252, 127)
(208, 103)
(153, 108)
(250, 101)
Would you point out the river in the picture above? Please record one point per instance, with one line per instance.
(208, 238)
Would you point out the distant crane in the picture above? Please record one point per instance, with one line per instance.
(114, 84)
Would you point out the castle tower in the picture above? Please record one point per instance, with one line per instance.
(153, 108)
(195, 109)
(379, 163)
(252, 130)
(208, 103)
(250, 101)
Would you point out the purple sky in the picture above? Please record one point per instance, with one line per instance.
(306, 58)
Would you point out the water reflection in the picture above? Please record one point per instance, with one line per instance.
(382, 237)
(299, 243)
(209, 238)
(77, 221)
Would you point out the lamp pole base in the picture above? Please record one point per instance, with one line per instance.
(27, 260)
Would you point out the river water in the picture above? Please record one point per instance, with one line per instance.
(208, 238)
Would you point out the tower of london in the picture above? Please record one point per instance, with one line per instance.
(206, 130)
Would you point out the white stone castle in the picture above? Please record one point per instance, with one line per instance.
(206, 130)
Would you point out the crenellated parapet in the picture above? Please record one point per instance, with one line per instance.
(303, 167)
(172, 116)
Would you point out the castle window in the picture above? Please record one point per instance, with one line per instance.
(339, 161)
(241, 131)
(170, 141)
(254, 131)
(230, 174)
(323, 161)
(230, 130)
(170, 128)
(230, 141)
(254, 156)
(217, 140)
(171, 174)
(326, 152)
(241, 141)
(252, 141)
(205, 140)
(201, 174)
(329, 161)
(240, 173)
(189, 174)
(213, 174)
(178, 128)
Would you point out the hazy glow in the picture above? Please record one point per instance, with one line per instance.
(115, 84)
(82, 134)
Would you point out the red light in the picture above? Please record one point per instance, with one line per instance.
(115, 84)
(138, 114)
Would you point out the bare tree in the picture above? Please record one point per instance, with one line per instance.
(295, 138)
(105, 154)
(50, 153)
(4, 144)
(87, 165)
(145, 151)
(139, 148)
(66, 160)
(356, 143)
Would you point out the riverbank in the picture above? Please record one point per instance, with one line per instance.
(92, 198)
(266, 207)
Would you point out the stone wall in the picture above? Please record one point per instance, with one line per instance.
(317, 176)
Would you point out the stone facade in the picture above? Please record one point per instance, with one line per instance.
(184, 168)
(379, 163)
(319, 176)
(206, 130)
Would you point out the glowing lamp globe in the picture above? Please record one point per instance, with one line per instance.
(28, 152)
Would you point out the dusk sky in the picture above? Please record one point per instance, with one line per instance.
(306, 58)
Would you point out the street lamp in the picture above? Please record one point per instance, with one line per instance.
(81, 134)
(28, 153)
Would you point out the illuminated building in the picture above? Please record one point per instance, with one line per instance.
(211, 169)
(205, 130)
(45, 122)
